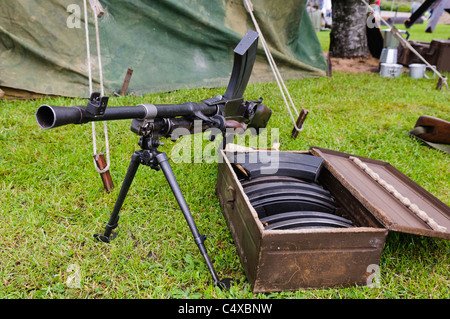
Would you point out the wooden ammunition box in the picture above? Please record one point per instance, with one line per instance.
(435, 52)
(286, 260)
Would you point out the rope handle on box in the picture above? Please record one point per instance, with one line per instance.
(404, 200)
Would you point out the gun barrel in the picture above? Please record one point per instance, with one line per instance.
(49, 116)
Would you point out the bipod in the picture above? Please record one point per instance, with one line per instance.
(150, 156)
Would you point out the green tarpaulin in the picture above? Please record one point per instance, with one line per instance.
(170, 44)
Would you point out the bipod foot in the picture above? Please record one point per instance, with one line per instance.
(104, 238)
(226, 283)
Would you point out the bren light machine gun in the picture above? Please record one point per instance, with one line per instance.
(152, 122)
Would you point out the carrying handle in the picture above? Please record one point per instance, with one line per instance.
(407, 35)
(431, 68)
(231, 200)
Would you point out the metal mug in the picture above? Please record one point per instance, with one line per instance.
(417, 70)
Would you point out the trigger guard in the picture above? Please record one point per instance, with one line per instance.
(220, 120)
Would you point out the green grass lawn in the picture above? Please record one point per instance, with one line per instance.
(52, 199)
(417, 33)
(402, 6)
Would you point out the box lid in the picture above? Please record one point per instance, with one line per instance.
(395, 200)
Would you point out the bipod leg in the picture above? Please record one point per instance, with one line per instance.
(163, 162)
(114, 219)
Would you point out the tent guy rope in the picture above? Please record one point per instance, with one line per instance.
(284, 91)
(100, 164)
(98, 11)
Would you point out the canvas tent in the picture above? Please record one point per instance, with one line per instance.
(170, 44)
